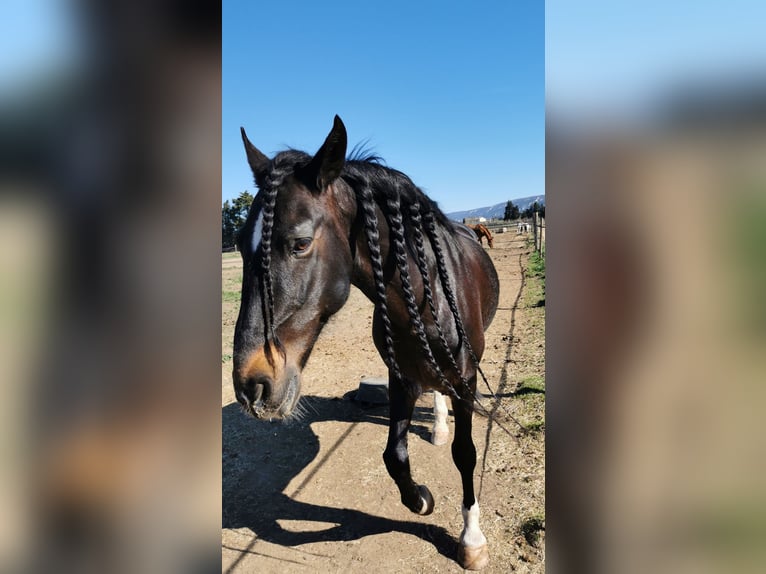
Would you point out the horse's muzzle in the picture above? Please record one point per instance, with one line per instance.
(263, 398)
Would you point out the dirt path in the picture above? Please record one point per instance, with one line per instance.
(314, 495)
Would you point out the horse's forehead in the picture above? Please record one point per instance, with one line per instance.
(296, 202)
(291, 206)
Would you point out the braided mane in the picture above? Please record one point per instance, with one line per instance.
(404, 206)
(413, 219)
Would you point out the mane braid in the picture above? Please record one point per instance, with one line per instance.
(420, 249)
(397, 232)
(463, 338)
(376, 261)
(448, 292)
(417, 233)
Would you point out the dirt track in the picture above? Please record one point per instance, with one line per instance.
(314, 496)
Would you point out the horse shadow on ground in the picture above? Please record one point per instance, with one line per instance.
(260, 458)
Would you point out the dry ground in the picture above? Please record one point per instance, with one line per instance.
(313, 495)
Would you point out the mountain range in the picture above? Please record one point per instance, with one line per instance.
(498, 210)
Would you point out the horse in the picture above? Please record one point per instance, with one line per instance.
(481, 231)
(322, 223)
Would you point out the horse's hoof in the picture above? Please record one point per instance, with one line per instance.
(474, 558)
(426, 499)
(440, 436)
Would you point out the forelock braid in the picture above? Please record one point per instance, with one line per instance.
(376, 261)
(270, 189)
(397, 233)
(417, 233)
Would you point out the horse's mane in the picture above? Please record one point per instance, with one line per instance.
(363, 152)
(388, 183)
(413, 220)
(364, 168)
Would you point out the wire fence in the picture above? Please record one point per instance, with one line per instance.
(538, 233)
(535, 227)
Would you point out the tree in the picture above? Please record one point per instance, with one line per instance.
(511, 211)
(529, 212)
(233, 216)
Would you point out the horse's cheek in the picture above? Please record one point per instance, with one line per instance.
(339, 292)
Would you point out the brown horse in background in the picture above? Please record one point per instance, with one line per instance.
(481, 231)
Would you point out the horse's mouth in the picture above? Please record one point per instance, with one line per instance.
(265, 411)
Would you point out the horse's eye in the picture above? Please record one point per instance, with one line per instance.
(301, 245)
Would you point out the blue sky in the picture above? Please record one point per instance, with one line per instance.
(37, 38)
(452, 94)
(621, 58)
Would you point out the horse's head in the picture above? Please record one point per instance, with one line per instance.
(297, 270)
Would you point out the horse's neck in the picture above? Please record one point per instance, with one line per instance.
(363, 277)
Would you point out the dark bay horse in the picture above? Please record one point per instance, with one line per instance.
(322, 223)
(481, 231)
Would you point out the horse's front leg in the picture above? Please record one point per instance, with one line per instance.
(472, 552)
(415, 497)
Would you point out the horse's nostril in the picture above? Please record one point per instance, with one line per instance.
(257, 389)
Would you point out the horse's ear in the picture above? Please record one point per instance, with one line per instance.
(259, 163)
(328, 162)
